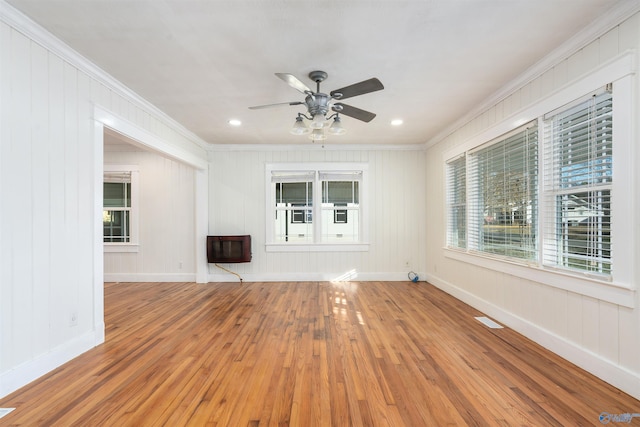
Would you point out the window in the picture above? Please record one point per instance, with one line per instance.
(293, 206)
(119, 214)
(330, 192)
(578, 185)
(494, 206)
(117, 207)
(584, 212)
(340, 205)
(502, 209)
(457, 203)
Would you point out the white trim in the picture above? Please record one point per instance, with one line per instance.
(615, 69)
(98, 233)
(121, 247)
(618, 376)
(150, 277)
(109, 122)
(346, 276)
(317, 247)
(33, 369)
(201, 226)
(140, 137)
(314, 147)
(615, 16)
(576, 283)
(38, 34)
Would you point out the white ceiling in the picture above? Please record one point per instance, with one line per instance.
(204, 62)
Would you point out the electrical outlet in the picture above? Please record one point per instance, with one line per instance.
(73, 320)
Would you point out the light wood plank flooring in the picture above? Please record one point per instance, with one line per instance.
(308, 354)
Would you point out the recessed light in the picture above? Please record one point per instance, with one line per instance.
(235, 122)
(396, 122)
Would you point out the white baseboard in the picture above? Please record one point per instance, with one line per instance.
(311, 277)
(151, 277)
(263, 277)
(23, 374)
(618, 376)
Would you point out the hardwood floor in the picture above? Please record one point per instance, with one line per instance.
(307, 354)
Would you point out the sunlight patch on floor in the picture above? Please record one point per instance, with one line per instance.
(349, 275)
(5, 411)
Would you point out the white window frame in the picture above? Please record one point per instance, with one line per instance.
(475, 203)
(133, 244)
(553, 255)
(619, 287)
(456, 170)
(317, 246)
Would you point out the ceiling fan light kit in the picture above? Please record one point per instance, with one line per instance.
(320, 104)
(299, 127)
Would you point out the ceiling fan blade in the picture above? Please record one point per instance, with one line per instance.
(259, 107)
(356, 89)
(354, 112)
(293, 81)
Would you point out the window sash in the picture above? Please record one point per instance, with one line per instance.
(578, 186)
(502, 181)
(120, 207)
(116, 225)
(457, 203)
(116, 207)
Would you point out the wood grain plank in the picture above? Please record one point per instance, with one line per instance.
(308, 353)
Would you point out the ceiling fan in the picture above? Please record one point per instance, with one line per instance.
(318, 104)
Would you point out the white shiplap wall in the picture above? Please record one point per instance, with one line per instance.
(50, 157)
(166, 222)
(397, 214)
(597, 335)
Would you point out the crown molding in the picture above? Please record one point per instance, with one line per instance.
(315, 147)
(25, 25)
(615, 16)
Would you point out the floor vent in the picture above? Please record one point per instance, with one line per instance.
(488, 322)
(5, 411)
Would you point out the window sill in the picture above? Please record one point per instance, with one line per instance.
(317, 247)
(572, 282)
(121, 247)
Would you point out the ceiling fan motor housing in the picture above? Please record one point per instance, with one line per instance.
(318, 103)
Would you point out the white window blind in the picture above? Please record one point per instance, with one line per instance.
(579, 142)
(503, 201)
(457, 203)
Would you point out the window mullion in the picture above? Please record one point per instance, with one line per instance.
(317, 208)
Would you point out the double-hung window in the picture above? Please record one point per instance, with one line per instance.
(316, 205)
(293, 206)
(457, 203)
(502, 179)
(578, 183)
(120, 208)
(340, 206)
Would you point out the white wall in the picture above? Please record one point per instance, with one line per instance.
(601, 336)
(166, 251)
(396, 216)
(50, 181)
